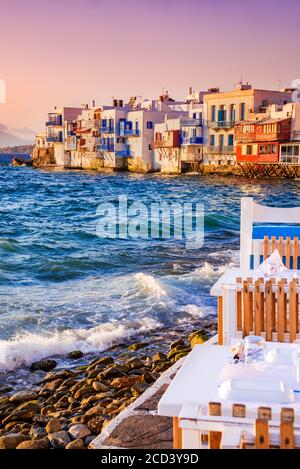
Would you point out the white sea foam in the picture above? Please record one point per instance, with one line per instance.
(26, 348)
(197, 311)
(150, 284)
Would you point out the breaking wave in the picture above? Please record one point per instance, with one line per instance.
(26, 348)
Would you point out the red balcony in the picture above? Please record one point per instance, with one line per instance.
(167, 139)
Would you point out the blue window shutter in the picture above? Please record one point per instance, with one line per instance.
(220, 116)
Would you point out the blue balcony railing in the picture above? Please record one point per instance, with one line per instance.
(106, 130)
(190, 122)
(106, 147)
(55, 138)
(123, 153)
(191, 140)
(55, 120)
(129, 132)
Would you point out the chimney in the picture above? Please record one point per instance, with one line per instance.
(190, 90)
(120, 102)
(94, 103)
(115, 103)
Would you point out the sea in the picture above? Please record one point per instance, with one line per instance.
(62, 287)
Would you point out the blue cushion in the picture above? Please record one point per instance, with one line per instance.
(259, 232)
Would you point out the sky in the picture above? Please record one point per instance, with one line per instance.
(69, 52)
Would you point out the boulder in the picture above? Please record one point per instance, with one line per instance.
(55, 425)
(99, 387)
(12, 440)
(75, 444)
(62, 374)
(19, 416)
(134, 363)
(23, 396)
(46, 364)
(111, 372)
(125, 381)
(95, 425)
(59, 439)
(52, 385)
(76, 354)
(37, 432)
(198, 337)
(178, 343)
(104, 361)
(79, 431)
(158, 357)
(30, 405)
(139, 388)
(138, 346)
(42, 443)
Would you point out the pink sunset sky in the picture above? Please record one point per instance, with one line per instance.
(69, 52)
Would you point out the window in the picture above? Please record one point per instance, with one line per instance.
(296, 150)
(274, 149)
(213, 113)
(230, 140)
(149, 125)
(194, 115)
(212, 140)
(149, 146)
(249, 150)
(242, 111)
(222, 114)
(232, 113)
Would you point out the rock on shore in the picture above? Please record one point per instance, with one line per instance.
(69, 408)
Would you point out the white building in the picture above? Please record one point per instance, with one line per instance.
(56, 130)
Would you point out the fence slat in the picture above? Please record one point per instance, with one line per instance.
(257, 308)
(266, 245)
(273, 243)
(246, 316)
(281, 311)
(214, 438)
(280, 246)
(293, 310)
(269, 307)
(295, 252)
(261, 434)
(288, 252)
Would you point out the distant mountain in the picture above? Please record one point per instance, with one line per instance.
(7, 139)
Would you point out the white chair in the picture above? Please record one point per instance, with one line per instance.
(264, 229)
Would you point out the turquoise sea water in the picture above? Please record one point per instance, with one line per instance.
(63, 288)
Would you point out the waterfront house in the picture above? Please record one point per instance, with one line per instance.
(56, 126)
(167, 146)
(112, 145)
(82, 139)
(191, 136)
(222, 110)
(258, 141)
